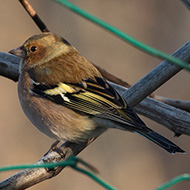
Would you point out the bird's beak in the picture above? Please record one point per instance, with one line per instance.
(18, 52)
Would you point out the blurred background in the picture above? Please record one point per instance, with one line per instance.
(125, 160)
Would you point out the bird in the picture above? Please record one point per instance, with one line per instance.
(65, 96)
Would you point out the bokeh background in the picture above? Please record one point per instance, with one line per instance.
(125, 160)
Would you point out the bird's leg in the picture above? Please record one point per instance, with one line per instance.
(53, 147)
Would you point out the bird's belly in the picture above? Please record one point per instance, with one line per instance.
(55, 120)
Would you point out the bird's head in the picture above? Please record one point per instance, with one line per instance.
(39, 49)
(49, 58)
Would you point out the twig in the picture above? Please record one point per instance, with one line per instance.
(111, 77)
(181, 104)
(176, 120)
(9, 66)
(34, 15)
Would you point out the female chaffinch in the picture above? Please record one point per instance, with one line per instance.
(67, 98)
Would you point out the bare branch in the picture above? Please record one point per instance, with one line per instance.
(9, 66)
(181, 104)
(176, 120)
(34, 15)
(111, 77)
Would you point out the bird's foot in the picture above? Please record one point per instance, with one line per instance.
(54, 147)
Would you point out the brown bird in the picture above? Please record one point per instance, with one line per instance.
(67, 98)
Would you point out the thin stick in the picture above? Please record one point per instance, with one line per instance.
(181, 104)
(34, 15)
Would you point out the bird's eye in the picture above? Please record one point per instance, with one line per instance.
(33, 48)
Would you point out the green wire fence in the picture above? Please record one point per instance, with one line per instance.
(71, 161)
(174, 181)
(74, 161)
(122, 35)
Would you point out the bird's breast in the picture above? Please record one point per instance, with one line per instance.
(54, 120)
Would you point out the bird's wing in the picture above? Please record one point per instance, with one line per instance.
(92, 97)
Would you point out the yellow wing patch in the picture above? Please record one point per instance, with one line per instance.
(60, 89)
(66, 87)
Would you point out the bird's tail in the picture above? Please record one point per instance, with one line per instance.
(161, 141)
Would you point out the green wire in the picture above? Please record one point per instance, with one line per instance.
(122, 35)
(71, 161)
(174, 181)
(95, 178)
(44, 165)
